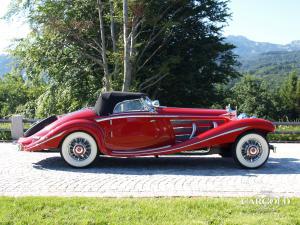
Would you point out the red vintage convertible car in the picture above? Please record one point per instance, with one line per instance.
(130, 125)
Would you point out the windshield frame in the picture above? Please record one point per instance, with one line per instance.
(145, 102)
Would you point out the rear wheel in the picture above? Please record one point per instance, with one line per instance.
(251, 151)
(79, 149)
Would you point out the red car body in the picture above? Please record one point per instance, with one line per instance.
(164, 130)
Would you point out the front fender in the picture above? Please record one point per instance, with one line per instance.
(230, 131)
(261, 125)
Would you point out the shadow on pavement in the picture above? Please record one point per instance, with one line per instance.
(193, 166)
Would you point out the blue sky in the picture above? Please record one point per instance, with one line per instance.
(276, 21)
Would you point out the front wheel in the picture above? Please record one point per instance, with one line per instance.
(79, 149)
(251, 151)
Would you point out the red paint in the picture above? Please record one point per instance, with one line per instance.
(147, 133)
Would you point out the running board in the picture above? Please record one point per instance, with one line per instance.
(208, 151)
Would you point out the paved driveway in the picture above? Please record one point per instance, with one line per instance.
(23, 173)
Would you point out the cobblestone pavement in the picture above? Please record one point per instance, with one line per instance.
(23, 174)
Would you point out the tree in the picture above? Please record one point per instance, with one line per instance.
(17, 95)
(126, 61)
(107, 76)
(252, 96)
(173, 50)
(290, 97)
(192, 56)
(298, 98)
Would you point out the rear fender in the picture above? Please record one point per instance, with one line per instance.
(58, 134)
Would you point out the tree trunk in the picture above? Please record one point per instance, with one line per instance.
(126, 57)
(113, 36)
(106, 80)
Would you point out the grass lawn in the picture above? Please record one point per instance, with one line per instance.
(52, 210)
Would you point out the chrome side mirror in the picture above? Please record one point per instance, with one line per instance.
(155, 103)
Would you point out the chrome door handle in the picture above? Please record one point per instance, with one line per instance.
(152, 121)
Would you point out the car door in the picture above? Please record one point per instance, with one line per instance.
(132, 127)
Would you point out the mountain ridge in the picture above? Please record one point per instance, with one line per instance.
(272, 62)
(246, 48)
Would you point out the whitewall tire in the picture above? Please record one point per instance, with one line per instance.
(79, 149)
(251, 151)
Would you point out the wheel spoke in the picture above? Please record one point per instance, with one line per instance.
(251, 150)
(79, 149)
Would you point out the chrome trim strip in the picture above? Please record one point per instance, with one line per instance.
(44, 141)
(218, 135)
(193, 130)
(201, 151)
(178, 128)
(146, 150)
(155, 116)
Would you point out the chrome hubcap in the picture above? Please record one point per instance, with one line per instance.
(79, 149)
(251, 150)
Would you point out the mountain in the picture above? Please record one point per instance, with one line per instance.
(247, 48)
(272, 62)
(271, 66)
(5, 64)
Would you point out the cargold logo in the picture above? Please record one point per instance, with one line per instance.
(267, 201)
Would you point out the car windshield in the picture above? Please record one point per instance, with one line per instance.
(141, 104)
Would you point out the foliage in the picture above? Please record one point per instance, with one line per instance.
(290, 96)
(255, 96)
(14, 92)
(271, 66)
(194, 60)
(285, 137)
(179, 53)
(72, 81)
(5, 135)
(251, 95)
(53, 210)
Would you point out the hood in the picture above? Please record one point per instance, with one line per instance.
(192, 111)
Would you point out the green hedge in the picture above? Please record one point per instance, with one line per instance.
(5, 135)
(285, 137)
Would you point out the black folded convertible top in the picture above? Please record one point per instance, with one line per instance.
(107, 101)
